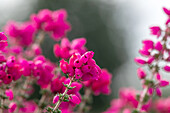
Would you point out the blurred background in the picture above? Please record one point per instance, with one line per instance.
(113, 28)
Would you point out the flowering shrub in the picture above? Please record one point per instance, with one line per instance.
(22, 65)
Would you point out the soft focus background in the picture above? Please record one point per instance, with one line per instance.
(113, 28)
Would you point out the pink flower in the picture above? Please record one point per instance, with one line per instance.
(166, 11)
(158, 92)
(167, 68)
(12, 106)
(158, 46)
(9, 93)
(74, 99)
(55, 99)
(155, 30)
(140, 61)
(3, 42)
(148, 44)
(57, 85)
(141, 73)
(163, 83)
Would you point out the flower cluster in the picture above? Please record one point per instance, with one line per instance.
(83, 66)
(67, 48)
(102, 85)
(23, 66)
(52, 22)
(20, 33)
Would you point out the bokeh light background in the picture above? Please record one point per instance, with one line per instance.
(113, 28)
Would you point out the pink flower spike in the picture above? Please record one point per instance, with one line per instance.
(74, 99)
(167, 68)
(141, 73)
(9, 93)
(140, 61)
(158, 92)
(55, 99)
(166, 11)
(12, 106)
(158, 46)
(163, 83)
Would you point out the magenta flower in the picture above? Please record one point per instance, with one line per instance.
(163, 83)
(3, 41)
(167, 68)
(155, 30)
(140, 61)
(9, 93)
(55, 99)
(158, 46)
(141, 73)
(166, 11)
(12, 107)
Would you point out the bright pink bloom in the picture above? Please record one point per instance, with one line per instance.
(55, 99)
(148, 44)
(74, 99)
(3, 42)
(166, 11)
(167, 68)
(163, 83)
(57, 85)
(168, 21)
(140, 61)
(158, 46)
(141, 73)
(158, 92)
(158, 76)
(155, 30)
(9, 93)
(12, 106)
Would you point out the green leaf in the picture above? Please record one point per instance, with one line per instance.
(135, 111)
(146, 98)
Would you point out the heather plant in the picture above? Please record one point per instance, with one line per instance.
(23, 65)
